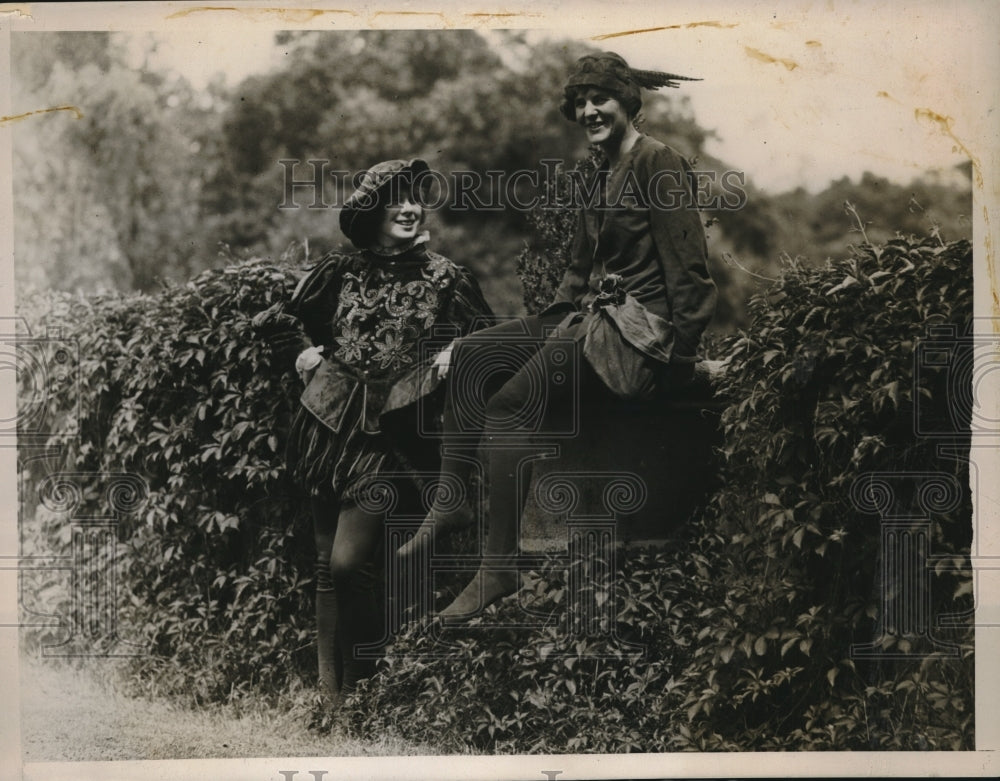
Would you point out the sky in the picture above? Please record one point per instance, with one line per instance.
(799, 93)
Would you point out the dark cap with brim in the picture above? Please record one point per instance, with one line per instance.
(379, 185)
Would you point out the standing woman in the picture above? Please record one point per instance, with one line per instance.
(635, 301)
(367, 315)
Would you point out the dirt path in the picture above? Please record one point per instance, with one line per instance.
(70, 715)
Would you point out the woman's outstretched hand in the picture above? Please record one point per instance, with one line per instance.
(307, 362)
(443, 361)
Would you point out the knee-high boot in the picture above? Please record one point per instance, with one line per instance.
(362, 623)
(328, 650)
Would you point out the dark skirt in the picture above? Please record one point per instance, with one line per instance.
(323, 461)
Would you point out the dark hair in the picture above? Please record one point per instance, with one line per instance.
(631, 103)
(365, 224)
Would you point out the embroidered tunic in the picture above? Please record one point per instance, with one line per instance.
(381, 320)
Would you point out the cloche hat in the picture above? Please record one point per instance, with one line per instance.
(609, 71)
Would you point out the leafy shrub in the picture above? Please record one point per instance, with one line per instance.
(500, 685)
(542, 263)
(826, 389)
(747, 625)
(735, 637)
(179, 390)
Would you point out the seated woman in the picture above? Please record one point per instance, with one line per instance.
(368, 315)
(635, 301)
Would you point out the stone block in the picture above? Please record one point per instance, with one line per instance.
(662, 449)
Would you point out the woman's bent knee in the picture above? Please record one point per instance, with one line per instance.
(344, 564)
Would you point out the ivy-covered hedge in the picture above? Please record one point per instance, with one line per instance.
(177, 389)
(821, 447)
(541, 264)
(737, 636)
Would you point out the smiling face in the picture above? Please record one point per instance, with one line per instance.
(602, 116)
(402, 218)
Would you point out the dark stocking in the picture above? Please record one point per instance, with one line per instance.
(360, 593)
(546, 382)
(480, 366)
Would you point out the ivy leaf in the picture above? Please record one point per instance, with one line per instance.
(847, 282)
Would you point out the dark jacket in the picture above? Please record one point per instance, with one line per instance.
(640, 261)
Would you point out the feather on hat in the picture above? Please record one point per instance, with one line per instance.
(609, 71)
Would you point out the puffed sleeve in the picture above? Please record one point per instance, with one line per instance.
(467, 308)
(280, 330)
(292, 325)
(680, 242)
(314, 301)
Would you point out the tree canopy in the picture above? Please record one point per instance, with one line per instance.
(154, 176)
